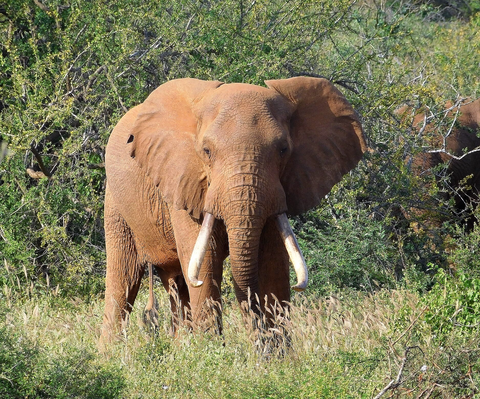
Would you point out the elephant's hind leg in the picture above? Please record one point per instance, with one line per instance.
(124, 271)
(177, 289)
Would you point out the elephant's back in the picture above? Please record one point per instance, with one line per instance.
(465, 136)
(123, 173)
(471, 114)
(117, 154)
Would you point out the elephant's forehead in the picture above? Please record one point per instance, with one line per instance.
(239, 111)
(243, 111)
(243, 100)
(243, 93)
(242, 87)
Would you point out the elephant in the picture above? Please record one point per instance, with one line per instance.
(203, 170)
(459, 149)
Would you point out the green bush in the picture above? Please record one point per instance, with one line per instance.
(464, 251)
(31, 371)
(346, 249)
(453, 304)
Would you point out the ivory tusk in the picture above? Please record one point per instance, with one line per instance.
(294, 252)
(199, 250)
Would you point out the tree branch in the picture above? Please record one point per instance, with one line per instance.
(42, 6)
(398, 381)
(410, 326)
(92, 78)
(125, 109)
(38, 157)
(443, 151)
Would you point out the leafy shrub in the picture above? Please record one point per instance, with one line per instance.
(346, 249)
(453, 304)
(32, 371)
(464, 251)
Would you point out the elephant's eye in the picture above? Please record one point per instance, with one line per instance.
(283, 151)
(207, 152)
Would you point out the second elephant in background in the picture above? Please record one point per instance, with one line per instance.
(457, 146)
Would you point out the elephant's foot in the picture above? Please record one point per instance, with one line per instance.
(208, 318)
(113, 329)
(269, 328)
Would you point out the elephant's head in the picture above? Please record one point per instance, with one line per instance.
(242, 154)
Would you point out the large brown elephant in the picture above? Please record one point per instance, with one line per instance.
(457, 146)
(202, 170)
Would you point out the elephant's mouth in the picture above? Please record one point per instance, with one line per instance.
(288, 237)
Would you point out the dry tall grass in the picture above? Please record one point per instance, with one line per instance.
(351, 346)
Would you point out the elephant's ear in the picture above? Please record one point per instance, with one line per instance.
(162, 141)
(327, 138)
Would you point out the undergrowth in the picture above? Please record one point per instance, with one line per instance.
(347, 346)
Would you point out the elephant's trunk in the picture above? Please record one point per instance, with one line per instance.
(245, 210)
(245, 201)
(244, 241)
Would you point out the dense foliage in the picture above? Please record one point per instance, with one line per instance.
(70, 69)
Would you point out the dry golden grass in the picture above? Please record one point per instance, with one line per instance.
(342, 346)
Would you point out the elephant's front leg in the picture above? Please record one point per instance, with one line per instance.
(124, 273)
(274, 274)
(205, 301)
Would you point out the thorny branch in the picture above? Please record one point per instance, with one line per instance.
(453, 320)
(444, 150)
(410, 326)
(42, 6)
(458, 158)
(38, 157)
(114, 87)
(92, 79)
(393, 384)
